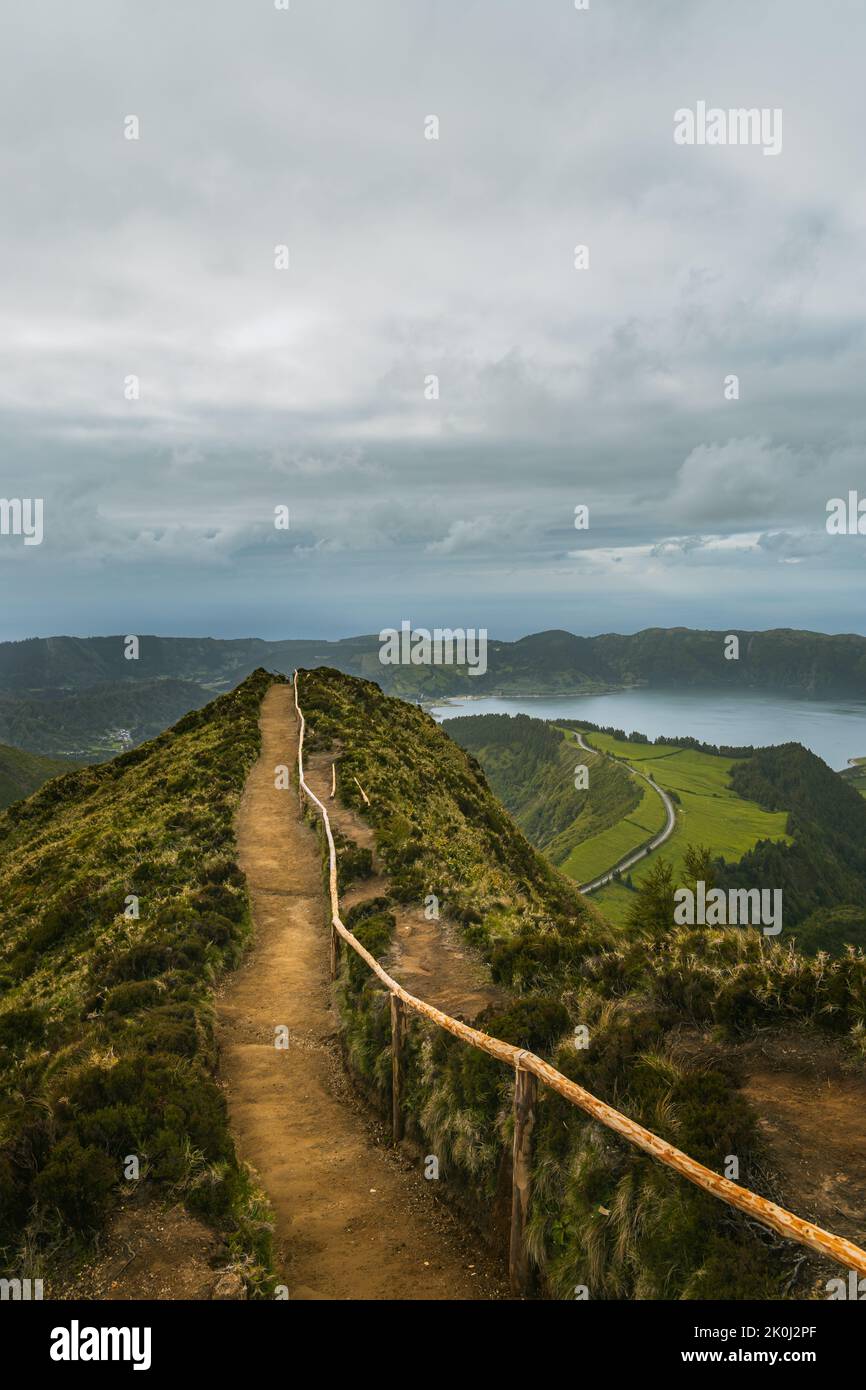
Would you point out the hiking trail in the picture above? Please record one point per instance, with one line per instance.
(355, 1218)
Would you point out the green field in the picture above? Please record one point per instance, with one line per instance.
(708, 813)
(856, 775)
(599, 851)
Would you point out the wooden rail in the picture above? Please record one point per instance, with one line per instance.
(527, 1065)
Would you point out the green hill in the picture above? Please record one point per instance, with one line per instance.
(544, 663)
(21, 773)
(856, 775)
(530, 765)
(122, 902)
(711, 810)
(92, 723)
(106, 1045)
(666, 1010)
(824, 865)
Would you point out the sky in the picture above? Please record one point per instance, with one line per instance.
(412, 258)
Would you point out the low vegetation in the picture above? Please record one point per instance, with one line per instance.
(712, 809)
(22, 773)
(530, 765)
(604, 1216)
(123, 904)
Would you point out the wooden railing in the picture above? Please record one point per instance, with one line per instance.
(529, 1070)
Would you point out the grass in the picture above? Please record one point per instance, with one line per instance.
(21, 773)
(106, 1018)
(602, 1213)
(856, 775)
(708, 813)
(598, 852)
(531, 767)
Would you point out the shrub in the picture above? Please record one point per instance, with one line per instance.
(129, 998)
(375, 933)
(22, 1027)
(77, 1182)
(353, 862)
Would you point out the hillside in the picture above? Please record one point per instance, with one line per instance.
(776, 817)
(671, 1013)
(122, 904)
(531, 772)
(711, 810)
(91, 723)
(22, 773)
(545, 663)
(106, 1017)
(530, 765)
(856, 775)
(824, 866)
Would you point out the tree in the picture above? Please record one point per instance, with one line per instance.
(652, 912)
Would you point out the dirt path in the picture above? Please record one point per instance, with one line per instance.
(353, 1220)
(429, 957)
(810, 1115)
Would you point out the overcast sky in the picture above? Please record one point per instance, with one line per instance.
(410, 257)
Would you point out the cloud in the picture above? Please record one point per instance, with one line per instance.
(411, 257)
(740, 480)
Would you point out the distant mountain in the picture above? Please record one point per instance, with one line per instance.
(22, 773)
(545, 663)
(79, 662)
(98, 721)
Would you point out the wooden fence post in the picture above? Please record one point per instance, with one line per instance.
(525, 1095)
(398, 1039)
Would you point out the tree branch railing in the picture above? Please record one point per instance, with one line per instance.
(529, 1069)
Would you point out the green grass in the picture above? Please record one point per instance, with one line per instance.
(592, 854)
(600, 851)
(856, 775)
(709, 813)
(21, 772)
(106, 1019)
(602, 1213)
(530, 766)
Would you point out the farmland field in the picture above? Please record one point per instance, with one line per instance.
(601, 850)
(708, 813)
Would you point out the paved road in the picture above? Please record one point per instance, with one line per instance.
(634, 855)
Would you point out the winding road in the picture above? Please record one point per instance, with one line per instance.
(634, 855)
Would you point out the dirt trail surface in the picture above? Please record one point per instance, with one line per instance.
(429, 957)
(812, 1121)
(154, 1251)
(354, 1218)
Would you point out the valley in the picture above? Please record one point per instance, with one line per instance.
(708, 812)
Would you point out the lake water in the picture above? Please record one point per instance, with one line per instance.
(834, 729)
